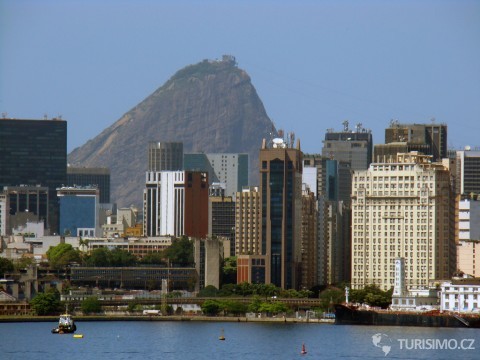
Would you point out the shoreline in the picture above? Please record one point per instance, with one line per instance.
(84, 318)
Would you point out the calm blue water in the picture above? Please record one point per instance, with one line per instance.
(199, 340)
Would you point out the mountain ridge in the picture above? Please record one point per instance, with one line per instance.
(211, 107)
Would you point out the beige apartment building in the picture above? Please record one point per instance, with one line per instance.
(247, 222)
(402, 208)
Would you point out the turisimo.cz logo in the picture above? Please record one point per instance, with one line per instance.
(437, 344)
(385, 343)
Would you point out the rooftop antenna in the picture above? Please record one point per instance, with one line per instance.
(393, 122)
(358, 127)
(45, 116)
(345, 126)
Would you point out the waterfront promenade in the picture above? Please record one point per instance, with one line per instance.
(80, 318)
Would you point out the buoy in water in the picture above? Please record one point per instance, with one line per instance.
(78, 336)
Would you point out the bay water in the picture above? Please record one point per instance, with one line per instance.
(194, 340)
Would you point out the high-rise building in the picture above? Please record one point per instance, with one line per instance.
(247, 223)
(309, 254)
(402, 209)
(80, 211)
(228, 169)
(33, 200)
(468, 237)
(468, 172)
(281, 211)
(355, 147)
(98, 177)
(34, 152)
(3, 214)
(334, 254)
(222, 219)
(333, 183)
(429, 139)
(196, 204)
(165, 156)
(176, 203)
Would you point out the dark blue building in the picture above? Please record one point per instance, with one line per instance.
(79, 211)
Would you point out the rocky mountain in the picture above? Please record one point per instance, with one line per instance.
(211, 107)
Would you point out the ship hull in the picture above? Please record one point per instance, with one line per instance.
(345, 315)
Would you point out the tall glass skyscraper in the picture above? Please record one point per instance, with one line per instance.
(34, 152)
(281, 211)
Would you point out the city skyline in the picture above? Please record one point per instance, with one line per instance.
(313, 65)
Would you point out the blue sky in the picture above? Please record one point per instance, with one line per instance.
(314, 63)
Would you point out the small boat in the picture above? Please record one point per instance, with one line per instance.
(304, 351)
(222, 336)
(66, 325)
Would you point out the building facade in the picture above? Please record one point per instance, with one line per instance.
(98, 177)
(309, 254)
(222, 219)
(468, 237)
(165, 156)
(460, 295)
(25, 203)
(247, 222)
(3, 214)
(468, 172)
(402, 209)
(429, 139)
(34, 152)
(80, 211)
(354, 147)
(207, 255)
(281, 210)
(176, 203)
(230, 169)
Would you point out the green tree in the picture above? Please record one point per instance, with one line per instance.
(23, 263)
(273, 307)
(211, 307)
(98, 257)
(6, 265)
(180, 253)
(229, 270)
(133, 306)
(61, 255)
(120, 257)
(154, 258)
(179, 310)
(331, 296)
(234, 307)
(269, 290)
(244, 289)
(227, 290)
(208, 291)
(372, 295)
(91, 305)
(255, 304)
(47, 303)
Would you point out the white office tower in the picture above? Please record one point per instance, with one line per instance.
(164, 199)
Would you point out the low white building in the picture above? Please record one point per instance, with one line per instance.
(460, 295)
